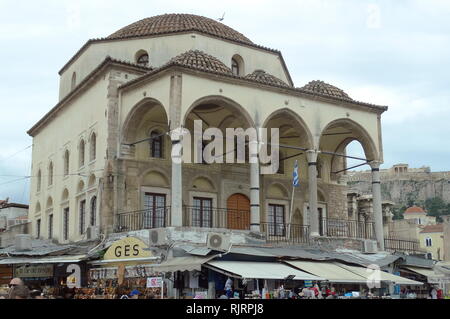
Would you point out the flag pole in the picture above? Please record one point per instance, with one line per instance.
(294, 184)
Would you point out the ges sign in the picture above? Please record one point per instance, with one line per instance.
(127, 248)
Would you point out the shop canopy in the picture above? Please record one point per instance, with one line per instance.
(188, 263)
(46, 260)
(260, 270)
(384, 276)
(432, 277)
(329, 271)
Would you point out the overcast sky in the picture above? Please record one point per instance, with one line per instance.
(393, 53)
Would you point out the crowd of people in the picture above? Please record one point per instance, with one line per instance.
(18, 290)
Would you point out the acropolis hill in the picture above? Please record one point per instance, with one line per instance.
(400, 183)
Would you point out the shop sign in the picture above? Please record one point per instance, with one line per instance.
(41, 271)
(154, 282)
(127, 248)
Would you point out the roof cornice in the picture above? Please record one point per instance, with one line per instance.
(91, 77)
(238, 79)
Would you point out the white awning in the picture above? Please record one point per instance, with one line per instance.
(432, 277)
(384, 276)
(46, 260)
(188, 263)
(329, 271)
(260, 270)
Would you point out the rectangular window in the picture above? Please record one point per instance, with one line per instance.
(82, 216)
(276, 220)
(66, 223)
(50, 226)
(38, 228)
(154, 210)
(202, 212)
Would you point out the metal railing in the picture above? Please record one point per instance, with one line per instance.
(213, 217)
(285, 233)
(346, 228)
(143, 219)
(403, 245)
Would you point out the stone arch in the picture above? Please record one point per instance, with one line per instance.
(295, 122)
(277, 190)
(49, 203)
(240, 64)
(65, 195)
(91, 181)
(154, 177)
(219, 101)
(297, 217)
(135, 116)
(358, 133)
(203, 183)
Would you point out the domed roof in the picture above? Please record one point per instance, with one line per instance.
(415, 209)
(196, 59)
(173, 23)
(322, 88)
(266, 78)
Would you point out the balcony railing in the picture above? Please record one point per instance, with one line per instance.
(143, 219)
(346, 228)
(285, 233)
(212, 217)
(403, 245)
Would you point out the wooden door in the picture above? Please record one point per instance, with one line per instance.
(238, 212)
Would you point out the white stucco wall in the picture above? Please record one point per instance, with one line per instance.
(162, 49)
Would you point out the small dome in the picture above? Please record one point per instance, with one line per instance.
(174, 23)
(322, 88)
(196, 59)
(266, 78)
(415, 209)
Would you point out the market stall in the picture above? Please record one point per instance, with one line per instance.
(252, 280)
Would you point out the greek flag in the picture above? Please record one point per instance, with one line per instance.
(295, 182)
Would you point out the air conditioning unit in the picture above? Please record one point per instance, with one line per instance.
(159, 237)
(220, 242)
(92, 232)
(23, 242)
(370, 247)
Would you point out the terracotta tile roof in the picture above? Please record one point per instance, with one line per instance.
(414, 210)
(266, 78)
(438, 228)
(173, 23)
(322, 88)
(201, 61)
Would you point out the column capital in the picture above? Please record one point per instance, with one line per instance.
(311, 156)
(375, 165)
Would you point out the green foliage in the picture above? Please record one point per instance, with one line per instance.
(436, 207)
(398, 212)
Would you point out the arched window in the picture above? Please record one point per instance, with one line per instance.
(93, 147)
(74, 81)
(142, 59)
(234, 67)
(428, 242)
(237, 65)
(156, 145)
(50, 174)
(93, 208)
(319, 167)
(81, 153)
(38, 187)
(66, 163)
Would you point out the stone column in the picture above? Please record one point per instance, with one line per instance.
(176, 210)
(255, 218)
(311, 156)
(377, 209)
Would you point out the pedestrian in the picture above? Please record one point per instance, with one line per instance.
(15, 282)
(36, 294)
(20, 292)
(433, 293)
